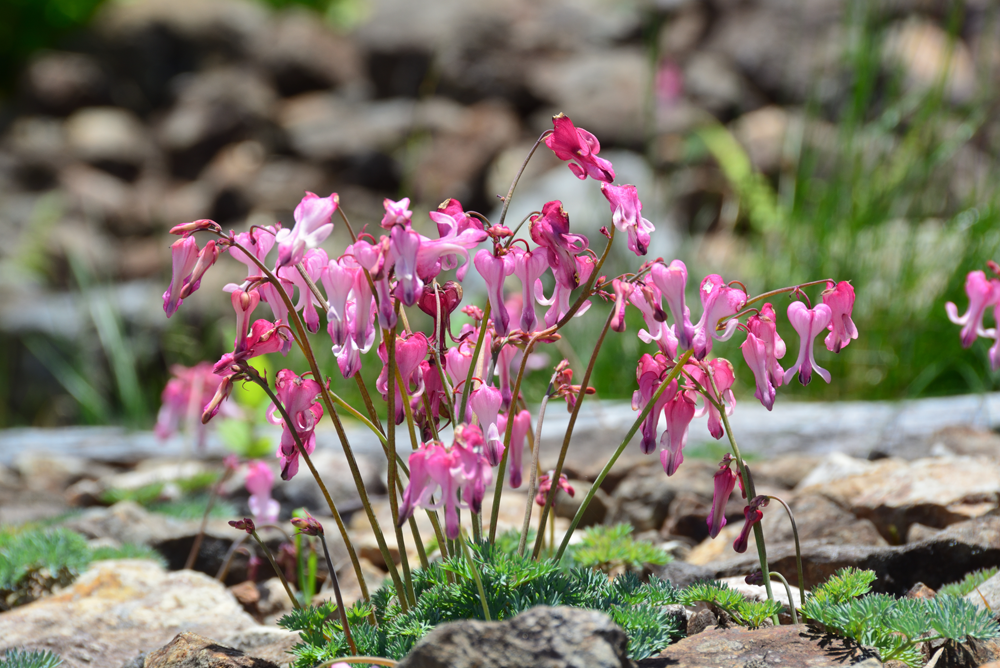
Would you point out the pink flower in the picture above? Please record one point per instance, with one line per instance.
(840, 299)
(184, 399)
(529, 267)
(410, 352)
(679, 412)
(518, 436)
(315, 261)
(764, 326)
(338, 281)
(545, 486)
(459, 233)
(559, 301)
(649, 374)
(646, 297)
(626, 210)
(184, 257)
(259, 482)
(718, 301)
(751, 515)
(378, 259)
(755, 354)
(550, 230)
(672, 282)
(244, 304)
(570, 143)
(313, 224)
(405, 245)
(485, 402)
(808, 323)
(396, 213)
(298, 396)
(723, 484)
(722, 373)
(447, 297)
(622, 291)
(982, 293)
(494, 270)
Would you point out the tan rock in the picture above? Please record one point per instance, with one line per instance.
(190, 650)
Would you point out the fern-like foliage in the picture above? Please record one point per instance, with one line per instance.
(17, 658)
(895, 627)
(968, 584)
(446, 592)
(611, 548)
(36, 561)
(751, 614)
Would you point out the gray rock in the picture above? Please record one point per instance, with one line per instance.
(107, 134)
(645, 496)
(543, 637)
(190, 650)
(989, 590)
(323, 126)
(61, 82)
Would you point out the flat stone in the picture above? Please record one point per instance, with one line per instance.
(117, 609)
(543, 637)
(791, 645)
(190, 650)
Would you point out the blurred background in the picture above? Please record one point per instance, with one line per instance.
(772, 141)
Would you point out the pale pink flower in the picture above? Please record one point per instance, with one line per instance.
(840, 299)
(313, 223)
(396, 213)
(518, 437)
(485, 402)
(718, 301)
(298, 396)
(184, 257)
(184, 399)
(494, 270)
(982, 293)
(671, 280)
(809, 323)
(626, 210)
(679, 412)
(529, 267)
(722, 373)
(259, 482)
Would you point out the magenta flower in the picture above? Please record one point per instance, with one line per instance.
(550, 230)
(338, 281)
(840, 299)
(313, 223)
(626, 214)
(298, 396)
(184, 257)
(545, 486)
(244, 304)
(764, 326)
(405, 244)
(622, 291)
(396, 213)
(649, 374)
(751, 515)
(723, 484)
(378, 259)
(994, 353)
(755, 354)
(646, 297)
(518, 437)
(264, 337)
(580, 149)
(459, 234)
(447, 297)
(809, 323)
(494, 270)
(259, 482)
(671, 280)
(679, 412)
(314, 262)
(529, 267)
(559, 301)
(982, 293)
(722, 373)
(410, 352)
(184, 399)
(718, 301)
(475, 468)
(505, 358)
(485, 402)
(259, 242)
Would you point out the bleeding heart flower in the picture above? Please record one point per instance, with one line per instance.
(570, 143)
(809, 323)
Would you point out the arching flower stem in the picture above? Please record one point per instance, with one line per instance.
(517, 177)
(681, 361)
(768, 295)
(533, 475)
(788, 592)
(798, 550)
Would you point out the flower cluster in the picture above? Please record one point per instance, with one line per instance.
(983, 293)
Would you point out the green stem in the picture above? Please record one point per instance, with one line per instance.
(475, 575)
(336, 592)
(281, 576)
(517, 177)
(758, 533)
(408, 411)
(788, 592)
(798, 550)
(196, 546)
(681, 361)
(529, 504)
(550, 498)
(768, 295)
(472, 366)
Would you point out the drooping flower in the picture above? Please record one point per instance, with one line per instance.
(755, 354)
(559, 301)
(722, 373)
(982, 293)
(718, 301)
(840, 299)
(494, 270)
(626, 210)
(206, 258)
(338, 281)
(809, 323)
(764, 326)
(671, 280)
(396, 213)
(649, 375)
(298, 397)
(580, 149)
(485, 402)
(622, 291)
(447, 297)
(313, 223)
(476, 469)
(315, 261)
(459, 234)
(410, 351)
(184, 399)
(529, 267)
(723, 484)
(550, 230)
(264, 337)
(563, 387)
(679, 412)
(751, 515)
(518, 436)
(378, 260)
(647, 298)
(545, 486)
(184, 257)
(259, 482)
(405, 245)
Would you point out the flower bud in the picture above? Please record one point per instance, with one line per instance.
(185, 229)
(308, 525)
(245, 524)
(755, 578)
(221, 394)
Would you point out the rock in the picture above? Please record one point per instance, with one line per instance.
(961, 548)
(226, 21)
(818, 519)
(919, 532)
(264, 642)
(60, 82)
(963, 440)
(762, 133)
(759, 592)
(47, 472)
(920, 590)
(936, 492)
(601, 90)
(262, 599)
(713, 83)
(682, 574)
(990, 590)
(700, 621)
(165, 472)
(786, 471)
(645, 496)
(542, 637)
(117, 609)
(781, 645)
(567, 506)
(109, 137)
(190, 650)
(927, 55)
(331, 464)
(349, 587)
(834, 466)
